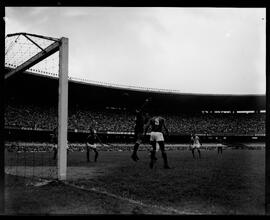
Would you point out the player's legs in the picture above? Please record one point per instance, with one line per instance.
(220, 150)
(193, 153)
(94, 148)
(87, 154)
(54, 152)
(199, 152)
(96, 154)
(157, 146)
(152, 155)
(134, 155)
(164, 155)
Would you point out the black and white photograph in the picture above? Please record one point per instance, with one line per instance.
(134, 110)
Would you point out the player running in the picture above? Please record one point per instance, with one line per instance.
(157, 124)
(195, 145)
(140, 120)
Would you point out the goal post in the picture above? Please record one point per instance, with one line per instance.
(63, 110)
(51, 46)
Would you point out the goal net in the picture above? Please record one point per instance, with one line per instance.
(36, 54)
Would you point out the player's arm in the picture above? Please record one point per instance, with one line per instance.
(87, 140)
(200, 141)
(165, 127)
(144, 104)
(146, 127)
(99, 140)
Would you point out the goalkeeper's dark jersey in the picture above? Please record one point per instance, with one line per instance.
(139, 122)
(91, 138)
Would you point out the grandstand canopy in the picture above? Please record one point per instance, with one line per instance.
(43, 88)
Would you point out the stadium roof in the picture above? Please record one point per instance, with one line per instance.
(43, 87)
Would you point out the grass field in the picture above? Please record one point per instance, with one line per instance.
(232, 183)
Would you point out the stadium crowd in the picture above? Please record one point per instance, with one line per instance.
(44, 117)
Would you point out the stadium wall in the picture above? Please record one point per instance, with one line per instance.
(32, 135)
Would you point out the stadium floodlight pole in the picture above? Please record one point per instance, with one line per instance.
(63, 110)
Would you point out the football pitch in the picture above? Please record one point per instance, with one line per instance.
(231, 183)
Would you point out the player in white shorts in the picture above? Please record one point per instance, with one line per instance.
(157, 125)
(195, 145)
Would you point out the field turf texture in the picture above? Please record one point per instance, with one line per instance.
(231, 183)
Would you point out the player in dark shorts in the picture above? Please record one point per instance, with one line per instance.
(91, 141)
(140, 120)
(157, 125)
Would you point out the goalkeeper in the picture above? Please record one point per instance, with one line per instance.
(91, 140)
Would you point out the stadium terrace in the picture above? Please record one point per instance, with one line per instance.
(32, 106)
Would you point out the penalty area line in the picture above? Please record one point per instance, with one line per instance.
(162, 208)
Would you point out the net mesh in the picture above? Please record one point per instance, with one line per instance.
(19, 49)
(30, 160)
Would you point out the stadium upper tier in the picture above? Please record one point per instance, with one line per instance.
(30, 87)
(32, 101)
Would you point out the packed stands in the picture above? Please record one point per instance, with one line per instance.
(33, 116)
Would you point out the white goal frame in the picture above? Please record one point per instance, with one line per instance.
(61, 45)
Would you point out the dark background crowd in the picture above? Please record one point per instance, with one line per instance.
(32, 116)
